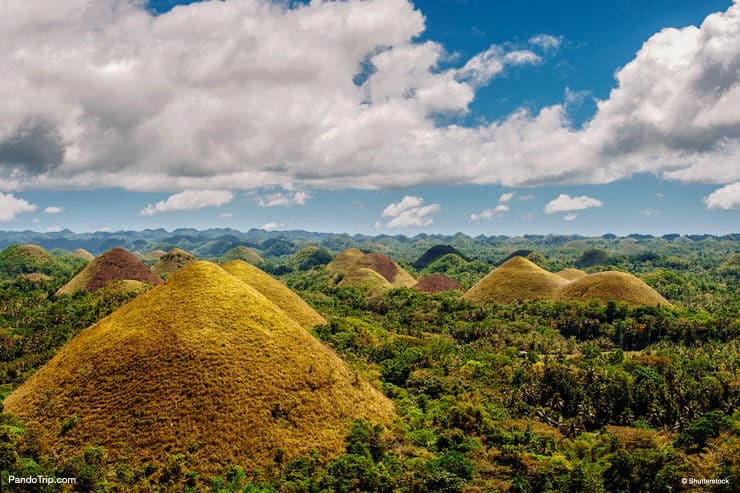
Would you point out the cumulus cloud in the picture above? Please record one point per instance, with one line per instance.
(505, 197)
(569, 217)
(409, 212)
(565, 202)
(53, 229)
(546, 41)
(283, 199)
(249, 94)
(53, 209)
(727, 197)
(10, 206)
(189, 200)
(272, 226)
(489, 213)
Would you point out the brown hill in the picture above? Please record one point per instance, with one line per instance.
(83, 254)
(356, 267)
(172, 261)
(612, 286)
(275, 291)
(364, 278)
(437, 283)
(514, 280)
(571, 274)
(35, 252)
(244, 253)
(203, 365)
(386, 267)
(154, 255)
(115, 264)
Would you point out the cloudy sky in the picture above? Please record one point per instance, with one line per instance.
(371, 116)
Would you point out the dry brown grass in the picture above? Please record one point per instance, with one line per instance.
(371, 271)
(612, 286)
(36, 253)
(115, 264)
(343, 261)
(366, 279)
(245, 253)
(386, 267)
(514, 280)
(36, 277)
(83, 254)
(172, 261)
(276, 292)
(154, 255)
(437, 283)
(203, 365)
(571, 274)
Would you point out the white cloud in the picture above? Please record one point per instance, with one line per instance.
(546, 41)
(659, 195)
(565, 202)
(489, 213)
(53, 209)
(196, 99)
(225, 215)
(53, 229)
(409, 212)
(272, 226)
(283, 199)
(36, 220)
(569, 217)
(10, 206)
(727, 197)
(649, 212)
(506, 197)
(523, 198)
(189, 200)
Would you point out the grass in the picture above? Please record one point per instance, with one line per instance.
(571, 274)
(154, 255)
(276, 292)
(172, 261)
(115, 264)
(342, 262)
(366, 279)
(203, 365)
(514, 280)
(612, 286)
(83, 254)
(26, 259)
(370, 271)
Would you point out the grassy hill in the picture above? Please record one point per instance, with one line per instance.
(16, 260)
(612, 286)
(434, 253)
(204, 366)
(83, 254)
(276, 292)
(114, 265)
(244, 253)
(571, 274)
(172, 261)
(437, 283)
(309, 257)
(514, 280)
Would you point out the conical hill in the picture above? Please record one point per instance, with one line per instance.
(244, 253)
(514, 280)
(386, 267)
(437, 283)
(344, 260)
(154, 255)
(26, 259)
(172, 261)
(83, 254)
(354, 265)
(612, 286)
(571, 274)
(203, 365)
(114, 265)
(366, 279)
(275, 291)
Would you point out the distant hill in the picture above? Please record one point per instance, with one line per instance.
(275, 291)
(571, 274)
(16, 260)
(244, 253)
(612, 286)
(386, 267)
(309, 257)
(434, 253)
(344, 260)
(514, 280)
(114, 265)
(203, 365)
(154, 255)
(437, 283)
(172, 261)
(83, 254)
(593, 257)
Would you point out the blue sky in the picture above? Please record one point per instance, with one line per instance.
(242, 170)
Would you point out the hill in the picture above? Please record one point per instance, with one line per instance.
(344, 260)
(203, 366)
(154, 255)
(276, 292)
(437, 283)
(366, 279)
(514, 280)
(612, 286)
(115, 264)
(244, 253)
(371, 271)
(83, 254)
(571, 274)
(309, 257)
(434, 253)
(386, 267)
(172, 261)
(16, 260)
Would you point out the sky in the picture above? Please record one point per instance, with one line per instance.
(376, 116)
